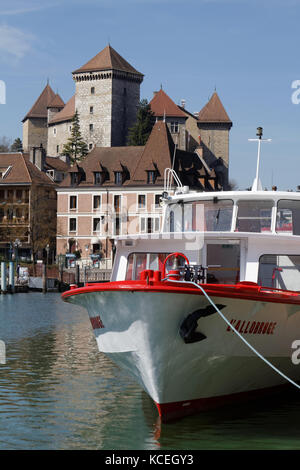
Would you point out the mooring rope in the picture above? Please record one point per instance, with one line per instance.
(238, 334)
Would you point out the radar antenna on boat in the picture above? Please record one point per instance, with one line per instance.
(257, 186)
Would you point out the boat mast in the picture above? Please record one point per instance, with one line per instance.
(257, 186)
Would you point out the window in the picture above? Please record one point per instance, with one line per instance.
(91, 109)
(73, 202)
(92, 90)
(288, 217)
(118, 177)
(90, 146)
(57, 149)
(151, 177)
(19, 195)
(70, 129)
(157, 201)
(214, 215)
(10, 213)
(149, 224)
(96, 224)
(72, 225)
(279, 272)
(1, 214)
(74, 178)
(174, 127)
(117, 203)
(117, 225)
(141, 201)
(254, 216)
(54, 130)
(96, 202)
(91, 127)
(138, 262)
(97, 177)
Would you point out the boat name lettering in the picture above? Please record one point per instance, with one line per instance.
(252, 327)
(96, 322)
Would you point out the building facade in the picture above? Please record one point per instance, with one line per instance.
(116, 191)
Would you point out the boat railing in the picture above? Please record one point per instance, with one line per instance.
(169, 176)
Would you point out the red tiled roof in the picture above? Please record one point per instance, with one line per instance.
(107, 59)
(213, 111)
(39, 109)
(57, 164)
(22, 170)
(66, 114)
(161, 104)
(57, 102)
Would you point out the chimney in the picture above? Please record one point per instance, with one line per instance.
(39, 155)
(183, 104)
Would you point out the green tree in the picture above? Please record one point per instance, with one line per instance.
(17, 145)
(75, 148)
(139, 133)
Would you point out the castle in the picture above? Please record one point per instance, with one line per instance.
(107, 95)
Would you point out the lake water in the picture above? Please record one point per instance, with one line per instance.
(58, 392)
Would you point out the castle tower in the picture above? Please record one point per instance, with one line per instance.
(214, 125)
(35, 122)
(106, 98)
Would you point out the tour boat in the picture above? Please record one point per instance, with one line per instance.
(207, 311)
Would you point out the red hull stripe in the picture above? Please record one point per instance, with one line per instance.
(179, 409)
(242, 290)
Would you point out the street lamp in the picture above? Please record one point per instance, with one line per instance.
(17, 243)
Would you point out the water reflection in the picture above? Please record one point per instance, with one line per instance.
(58, 392)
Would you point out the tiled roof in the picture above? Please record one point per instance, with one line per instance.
(107, 59)
(157, 155)
(22, 170)
(57, 102)
(56, 164)
(66, 114)
(161, 104)
(108, 160)
(214, 111)
(39, 109)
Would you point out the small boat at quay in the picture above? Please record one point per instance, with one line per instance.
(207, 311)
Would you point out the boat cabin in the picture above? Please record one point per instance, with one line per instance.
(234, 236)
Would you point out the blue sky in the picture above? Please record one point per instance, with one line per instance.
(247, 49)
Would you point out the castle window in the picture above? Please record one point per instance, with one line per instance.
(91, 127)
(70, 129)
(54, 130)
(57, 148)
(174, 127)
(97, 177)
(91, 109)
(151, 177)
(92, 90)
(90, 146)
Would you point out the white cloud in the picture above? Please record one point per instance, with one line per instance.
(19, 7)
(14, 43)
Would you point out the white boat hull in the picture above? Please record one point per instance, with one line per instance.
(140, 332)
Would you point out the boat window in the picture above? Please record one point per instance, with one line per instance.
(223, 263)
(138, 262)
(288, 217)
(201, 216)
(254, 216)
(280, 272)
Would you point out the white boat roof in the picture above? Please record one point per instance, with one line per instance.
(234, 195)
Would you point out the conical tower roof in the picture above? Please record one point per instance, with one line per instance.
(39, 109)
(214, 111)
(162, 105)
(57, 102)
(107, 59)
